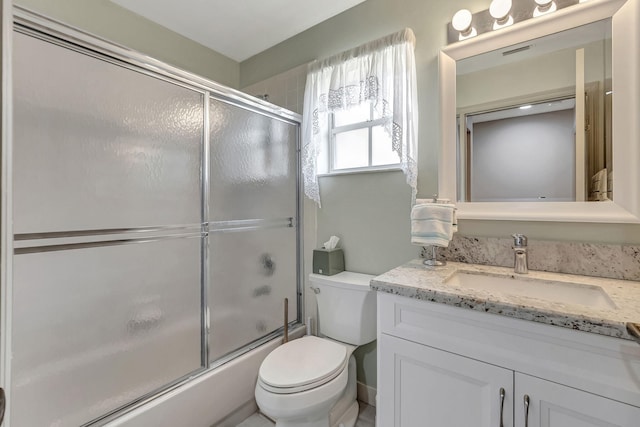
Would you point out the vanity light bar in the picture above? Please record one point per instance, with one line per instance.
(501, 14)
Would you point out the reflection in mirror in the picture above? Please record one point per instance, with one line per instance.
(534, 120)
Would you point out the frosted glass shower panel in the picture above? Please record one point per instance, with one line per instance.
(98, 145)
(95, 328)
(253, 164)
(251, 273)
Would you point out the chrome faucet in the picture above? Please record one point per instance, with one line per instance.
(521, 265)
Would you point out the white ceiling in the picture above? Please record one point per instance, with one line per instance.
(238, 29)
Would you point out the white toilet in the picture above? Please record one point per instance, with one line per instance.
(311, 381)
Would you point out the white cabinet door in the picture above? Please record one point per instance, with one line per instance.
(426, 387)
(555, 405)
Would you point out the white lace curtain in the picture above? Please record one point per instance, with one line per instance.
(382, 72)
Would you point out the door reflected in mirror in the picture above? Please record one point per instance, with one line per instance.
(534, 120)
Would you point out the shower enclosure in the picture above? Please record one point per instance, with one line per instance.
(155, 227)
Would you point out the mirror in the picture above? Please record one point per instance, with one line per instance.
(489, 177)
(535, 119)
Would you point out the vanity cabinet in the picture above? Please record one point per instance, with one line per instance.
(556, 405)
(446, 366)
(423, 386)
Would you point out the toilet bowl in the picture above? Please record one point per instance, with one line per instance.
(300, 384)
(311, 381)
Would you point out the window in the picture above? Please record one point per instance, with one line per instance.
(359, 142)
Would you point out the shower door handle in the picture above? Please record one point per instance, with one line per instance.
(3, 404)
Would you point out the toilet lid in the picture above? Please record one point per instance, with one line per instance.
(303, 362)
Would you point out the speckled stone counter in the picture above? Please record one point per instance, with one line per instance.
(414, 280)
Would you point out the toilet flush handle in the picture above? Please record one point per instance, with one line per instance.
(315, 290)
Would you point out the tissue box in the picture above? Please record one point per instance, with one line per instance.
(328, 261)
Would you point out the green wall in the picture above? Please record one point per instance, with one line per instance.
(112, 22)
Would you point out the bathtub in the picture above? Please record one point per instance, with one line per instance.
(223, 396)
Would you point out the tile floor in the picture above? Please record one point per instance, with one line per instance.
(366, 418)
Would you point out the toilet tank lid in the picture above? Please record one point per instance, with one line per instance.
(345, 279)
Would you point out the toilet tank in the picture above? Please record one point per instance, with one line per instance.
(346, 307)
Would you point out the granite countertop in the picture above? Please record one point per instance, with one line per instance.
(415, 280)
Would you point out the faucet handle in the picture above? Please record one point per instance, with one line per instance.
(519, 240)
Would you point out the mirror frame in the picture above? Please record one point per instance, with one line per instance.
(625, 208)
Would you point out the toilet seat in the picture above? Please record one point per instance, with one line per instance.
(302, 364)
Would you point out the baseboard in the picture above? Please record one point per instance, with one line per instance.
(367, 394)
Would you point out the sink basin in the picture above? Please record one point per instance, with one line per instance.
(548, 290)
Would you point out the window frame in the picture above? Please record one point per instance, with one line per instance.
(366, 124)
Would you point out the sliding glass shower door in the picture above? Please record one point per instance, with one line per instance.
(252, 226)
(104, 310)
(155, 231)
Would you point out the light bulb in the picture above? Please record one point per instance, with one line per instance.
(462, 20)
(499, 10)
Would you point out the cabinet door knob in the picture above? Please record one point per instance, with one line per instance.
(526, 410)
(502, 395)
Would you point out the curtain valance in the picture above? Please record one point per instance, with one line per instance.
(381, 72)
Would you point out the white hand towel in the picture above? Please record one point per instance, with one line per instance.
(432, 224)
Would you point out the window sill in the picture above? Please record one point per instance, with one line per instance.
(389, 168)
